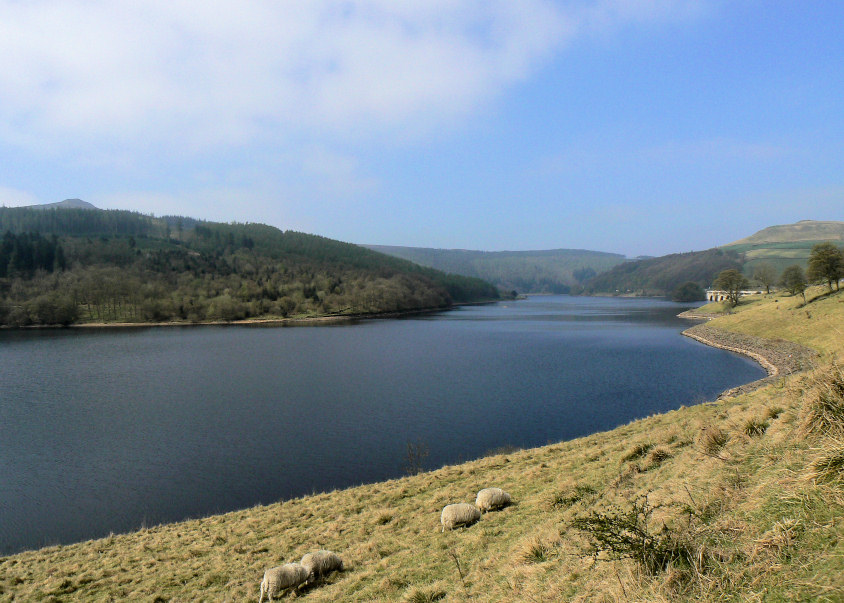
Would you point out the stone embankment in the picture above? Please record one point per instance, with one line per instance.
(776, 356)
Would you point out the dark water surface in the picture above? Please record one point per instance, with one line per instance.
(111, 429)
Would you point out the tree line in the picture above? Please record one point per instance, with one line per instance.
(825, 266)
(207, 271)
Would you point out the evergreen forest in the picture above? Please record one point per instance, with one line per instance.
(64, 265)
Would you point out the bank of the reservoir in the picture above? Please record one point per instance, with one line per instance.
(777, 356)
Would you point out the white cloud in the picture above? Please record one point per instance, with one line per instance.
(184, 77)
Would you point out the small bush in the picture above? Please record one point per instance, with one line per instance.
(626, 534)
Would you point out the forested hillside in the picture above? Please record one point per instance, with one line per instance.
(662, 275)
(64, 265)
(549, 271)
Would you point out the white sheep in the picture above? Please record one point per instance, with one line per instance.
(460, 514)
(490, 499)
(279, 579)
(321, 563)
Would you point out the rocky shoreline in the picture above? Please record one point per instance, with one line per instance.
(778, 357)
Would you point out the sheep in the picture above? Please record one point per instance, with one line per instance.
(460, 514)
(320, 564)
(279, 579)
(490, 499)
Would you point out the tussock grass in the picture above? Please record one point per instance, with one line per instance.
(562, 499)
(636, 452)
(425, 595)
(828, 466)
(658, 455)
(538, 548)
(755, 427)
(712, 439)
(824, 402)
(757, 519)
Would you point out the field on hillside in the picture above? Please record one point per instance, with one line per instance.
(736, 500)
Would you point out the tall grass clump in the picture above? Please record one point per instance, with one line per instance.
(755, 427)
(823, 404)
(712, 439)
(828, 466)
(637, 451)
(425, 595)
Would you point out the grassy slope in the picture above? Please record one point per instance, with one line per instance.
(784, 245)
(764, 530)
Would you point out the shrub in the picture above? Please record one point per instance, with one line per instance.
(626, 534)
(688, 292)
(414, 457)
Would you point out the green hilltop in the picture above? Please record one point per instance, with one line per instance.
(70, 263)
(784, 245)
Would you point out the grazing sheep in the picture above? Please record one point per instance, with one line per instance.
(490, 499)
(321, 564)
(460, 514)
(279, 579)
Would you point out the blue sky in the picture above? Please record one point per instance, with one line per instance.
(637, 127)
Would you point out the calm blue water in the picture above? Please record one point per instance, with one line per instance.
(108, 430)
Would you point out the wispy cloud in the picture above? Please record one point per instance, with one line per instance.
(187, 75)
(183, 77)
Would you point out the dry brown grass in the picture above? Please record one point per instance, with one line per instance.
(712, 439)
(761, 514)
(824, 402)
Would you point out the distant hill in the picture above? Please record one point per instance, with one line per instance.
(779, 246)
(66, 204)
(784, 245)
(805, 230)
(548, 271)
(69, 263)
(661, 276)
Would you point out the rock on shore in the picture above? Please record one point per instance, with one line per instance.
(776, 356)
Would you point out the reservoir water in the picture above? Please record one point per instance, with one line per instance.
(108, 430)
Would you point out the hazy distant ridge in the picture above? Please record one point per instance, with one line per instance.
(66, 204)
(805, 230)
(543, 271)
